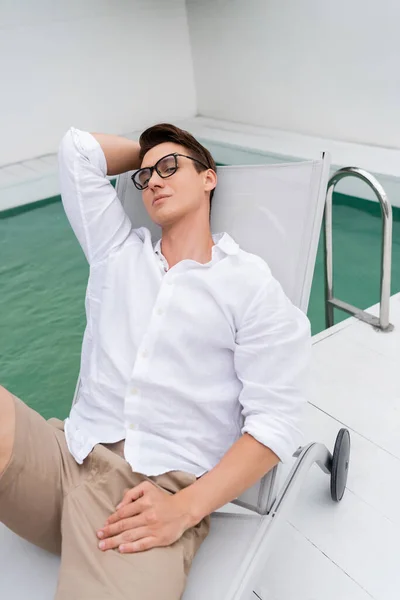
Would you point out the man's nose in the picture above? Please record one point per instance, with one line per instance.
(155, 180)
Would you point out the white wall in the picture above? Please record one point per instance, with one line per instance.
(323, 68)
(101, 65)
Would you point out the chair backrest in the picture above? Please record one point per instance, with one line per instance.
(274, 211)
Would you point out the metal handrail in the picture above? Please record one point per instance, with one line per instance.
(381, 322)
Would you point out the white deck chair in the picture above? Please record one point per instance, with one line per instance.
(274, 211)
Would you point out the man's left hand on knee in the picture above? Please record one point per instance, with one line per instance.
(147, 517)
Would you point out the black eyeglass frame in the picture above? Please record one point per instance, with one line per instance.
(154, 168)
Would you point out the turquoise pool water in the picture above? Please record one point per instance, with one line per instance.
(43, 276)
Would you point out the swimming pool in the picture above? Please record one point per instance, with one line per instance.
(43, 277)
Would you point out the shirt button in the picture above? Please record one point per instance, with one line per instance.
(144, 354)
(134, 391)
(160, 311)
(132, 426)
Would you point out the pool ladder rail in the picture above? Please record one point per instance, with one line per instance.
(382, 322)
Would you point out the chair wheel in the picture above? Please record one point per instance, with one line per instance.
(340, 464)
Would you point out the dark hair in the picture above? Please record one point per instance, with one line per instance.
(165, 132)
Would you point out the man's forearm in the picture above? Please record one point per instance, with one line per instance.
(244, 464)
(121, 154)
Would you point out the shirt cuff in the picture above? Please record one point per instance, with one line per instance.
(283, 441)
(87, 145)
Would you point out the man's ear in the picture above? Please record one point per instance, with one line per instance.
(210, 180)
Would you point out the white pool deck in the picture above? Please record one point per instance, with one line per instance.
(350, 550)
(327, 551)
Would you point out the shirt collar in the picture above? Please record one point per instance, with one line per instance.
(224, 242)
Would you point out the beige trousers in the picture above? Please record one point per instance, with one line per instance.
(57, 504)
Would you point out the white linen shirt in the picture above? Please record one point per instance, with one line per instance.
(178, 362)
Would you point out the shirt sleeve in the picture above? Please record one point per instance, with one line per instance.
(272, 358)
(90, 200)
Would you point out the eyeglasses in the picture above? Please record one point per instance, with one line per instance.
(165, 167)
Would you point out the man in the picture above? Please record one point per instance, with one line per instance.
(192, 379)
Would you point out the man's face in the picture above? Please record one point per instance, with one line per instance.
(168, 200)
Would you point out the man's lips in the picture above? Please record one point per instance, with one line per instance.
(157, 198)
